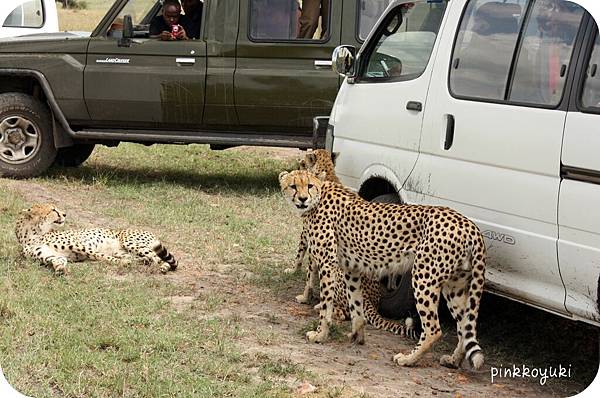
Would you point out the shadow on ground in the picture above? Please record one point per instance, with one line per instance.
(251, 181)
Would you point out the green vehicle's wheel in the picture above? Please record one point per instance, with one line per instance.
(73, 156)
(26, 141)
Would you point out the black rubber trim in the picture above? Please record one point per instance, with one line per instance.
(579, 174)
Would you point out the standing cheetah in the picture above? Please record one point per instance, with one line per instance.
(322, 161)
(36, 232)
(444, 249)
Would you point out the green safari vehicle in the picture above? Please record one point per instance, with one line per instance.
(253, 76)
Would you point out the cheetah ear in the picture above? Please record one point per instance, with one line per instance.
(311, 159)
(302, 164)
(334, 156)
(282, 176)
(322, 176)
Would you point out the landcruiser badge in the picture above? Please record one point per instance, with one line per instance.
(108, 60)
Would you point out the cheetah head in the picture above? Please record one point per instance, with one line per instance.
(318, 161)
(45, 217)
(301, 188)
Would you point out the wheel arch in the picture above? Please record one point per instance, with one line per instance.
(34, 83)
(379, 180)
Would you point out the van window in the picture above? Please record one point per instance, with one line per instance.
(369, 12)
(546, 50)
(404, 42)
(590, 96)
(484, 48)
(29, 14)
(277, 20)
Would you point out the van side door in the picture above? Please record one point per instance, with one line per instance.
(283, 75)
(579, 200)
(493, 133)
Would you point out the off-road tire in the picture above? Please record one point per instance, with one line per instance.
(37, 113)
(73, 156)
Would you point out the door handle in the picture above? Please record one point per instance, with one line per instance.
(185, 61)
(323, 64)
(449, 132)
(414, 106)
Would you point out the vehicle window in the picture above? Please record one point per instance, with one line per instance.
(29, 14)
(590, 96)
(484, 48)
(138, 9)
(404, 42)
(543, 61)
(274, 20)
(368, 13)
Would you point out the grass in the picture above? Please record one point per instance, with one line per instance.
(106, 331)
(94, 333)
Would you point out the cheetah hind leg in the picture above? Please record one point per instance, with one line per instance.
(430, 323)
(302, 245)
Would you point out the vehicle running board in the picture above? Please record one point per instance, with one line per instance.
(218, 138)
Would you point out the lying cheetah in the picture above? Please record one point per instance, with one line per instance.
(36, 232)
(323, 161)
(444, 249)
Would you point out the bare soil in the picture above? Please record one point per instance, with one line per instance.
(274, 324)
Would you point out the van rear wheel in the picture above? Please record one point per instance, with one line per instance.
(73, 156)
(26, 138)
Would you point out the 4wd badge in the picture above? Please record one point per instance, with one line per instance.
(509, 240)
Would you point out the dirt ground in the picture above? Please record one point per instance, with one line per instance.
(275, 323)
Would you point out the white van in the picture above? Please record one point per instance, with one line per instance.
(24, 17)
(491, 107)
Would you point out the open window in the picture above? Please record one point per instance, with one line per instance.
(289, 20)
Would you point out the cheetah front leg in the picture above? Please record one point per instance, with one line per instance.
(311, 274)
(326, 283)
(302, 245)
(48, 256)
(356, 303)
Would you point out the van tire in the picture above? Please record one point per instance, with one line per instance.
(73, 156)
(26, 136)
(387, 198)
(397, 298)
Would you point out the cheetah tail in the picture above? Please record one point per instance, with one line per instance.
(375, 319)
(472, 349)
(165, 255)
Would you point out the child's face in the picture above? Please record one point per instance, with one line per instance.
(171, 14)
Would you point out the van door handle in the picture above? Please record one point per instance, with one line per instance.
(323, 64)
(414, 106)
(449, 132)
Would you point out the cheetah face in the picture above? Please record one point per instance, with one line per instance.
(45, 216)
(301, 188)
(318, 161)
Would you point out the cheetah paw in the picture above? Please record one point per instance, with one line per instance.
(61, 269)
(448, 361)
(403, 360)
(316, 337)
(302, 299)
(357, 337)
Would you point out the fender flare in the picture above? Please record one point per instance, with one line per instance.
(62, 132)
(382, 172)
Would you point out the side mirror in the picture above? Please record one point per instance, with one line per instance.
(125, 40)
(343, 60)
(127, 27)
